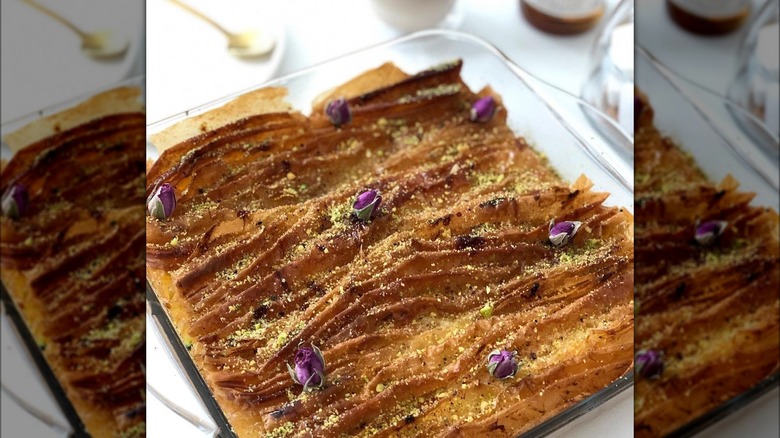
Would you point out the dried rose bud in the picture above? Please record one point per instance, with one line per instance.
(338, 111)
(15, 201)
(366, 205)
(162, 203)
(649, 363)
(708, 232)
(483, 109)
(309, 368)
(562, 232)
(502, 364)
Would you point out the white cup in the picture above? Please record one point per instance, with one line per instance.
(413, 15)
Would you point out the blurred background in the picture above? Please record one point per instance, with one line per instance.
(44, 61)
(54, 55)
(709, 71)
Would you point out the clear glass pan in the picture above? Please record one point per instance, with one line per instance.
(553, 121)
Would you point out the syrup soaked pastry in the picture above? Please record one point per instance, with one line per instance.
(72, 248)
(386, 266)
(707, 287)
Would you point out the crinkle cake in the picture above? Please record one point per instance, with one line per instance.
(398, 263)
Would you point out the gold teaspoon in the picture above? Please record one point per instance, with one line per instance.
(100, 45)
(247, 44)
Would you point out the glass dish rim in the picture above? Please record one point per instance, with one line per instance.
(165, 325)
(768, 383)
(742, 118)
(50, 380)
(157, 125)
(20, 121)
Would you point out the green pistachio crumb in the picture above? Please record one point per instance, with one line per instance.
(487, 310)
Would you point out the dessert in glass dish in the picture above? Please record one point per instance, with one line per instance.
(398, 262)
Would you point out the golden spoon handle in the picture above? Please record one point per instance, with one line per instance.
(201, 15)
(57, 17)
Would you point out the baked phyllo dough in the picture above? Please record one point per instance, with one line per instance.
(73, 245)
(707, 286)
(398, 263)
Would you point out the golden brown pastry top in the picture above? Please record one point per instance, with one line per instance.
(263, 255)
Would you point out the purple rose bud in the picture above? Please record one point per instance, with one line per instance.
(338, 111)
(708, 232)
(562, 232)
(366, 205)
(502, 364)
(309, 368)
(162, 202)
(649, 363)
(483, 109)
(15, 201)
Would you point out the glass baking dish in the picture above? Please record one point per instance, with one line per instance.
(719, 151)
(553, 121)
(35, 390)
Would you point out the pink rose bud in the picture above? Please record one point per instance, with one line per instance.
(708, 232)
(309, 369)
(162, 202)
(338, 111)
(502, 364)
(15, 201)
(366, 205)
(562, 232)
(483, 109)
(649, 363)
